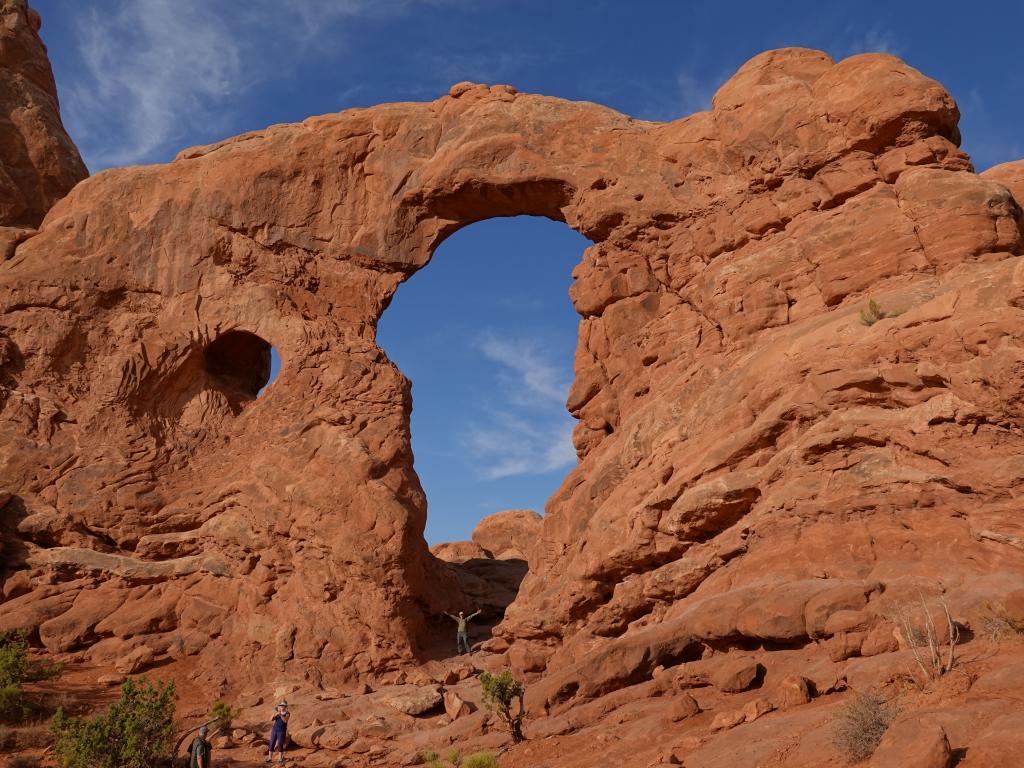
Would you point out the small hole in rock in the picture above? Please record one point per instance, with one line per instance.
(240, 362)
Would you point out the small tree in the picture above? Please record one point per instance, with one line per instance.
(499, 693)
(224, 714)
(15, 665)
(17, 668)
(136, 732)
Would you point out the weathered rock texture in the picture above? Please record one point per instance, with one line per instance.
(38, 162)
(759, 469)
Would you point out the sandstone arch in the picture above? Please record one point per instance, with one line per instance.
(732, 409)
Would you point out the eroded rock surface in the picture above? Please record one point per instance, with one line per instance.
(766, 467)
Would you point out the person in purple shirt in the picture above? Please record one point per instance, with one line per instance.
(278, 731)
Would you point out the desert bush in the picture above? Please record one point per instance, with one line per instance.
(997, 623)
(499, 694)
(25, 762)
(224, 713)
(860, 725)
(15, 665)
(923, 638)
(33, 737)
(481, 760)
(14, 706)
(872, 313)
(455, 760)
(136, 732)
(17, 668)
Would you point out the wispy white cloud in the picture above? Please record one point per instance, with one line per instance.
(532, 433)
(875, 39)
(533, 376)
(157, 71)
(509, 445)
(150, 68)
(694, 94)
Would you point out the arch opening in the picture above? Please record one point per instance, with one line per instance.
(487, 335)
(239, 362)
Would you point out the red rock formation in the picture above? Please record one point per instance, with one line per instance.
(508, 535)
(766, 463)
(38, 164)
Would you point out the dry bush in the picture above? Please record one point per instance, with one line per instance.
(860, 725)
(922, 637)
(872, 313)
(33, 737)
(23, 761)
(997, 623)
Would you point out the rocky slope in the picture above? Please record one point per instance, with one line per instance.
(772, 468)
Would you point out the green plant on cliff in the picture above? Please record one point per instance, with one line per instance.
(500, 692)
(16, 668)
(872, 313)
(136, 732)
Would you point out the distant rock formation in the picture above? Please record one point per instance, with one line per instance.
(798, 383)
(39, 163)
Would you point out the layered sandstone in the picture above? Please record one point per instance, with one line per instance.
(768, 472)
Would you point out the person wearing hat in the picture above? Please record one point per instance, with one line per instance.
(278, 731)
(199, 751)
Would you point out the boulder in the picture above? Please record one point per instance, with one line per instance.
(135, 661)
(725, 720)
(682, 706)
(913, 743)
(735, 675)
(754, 709)
(793, 691)
(417, 701)
(455, 706)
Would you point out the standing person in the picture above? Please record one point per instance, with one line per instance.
(199, 750)
(462, 634)
(278, 731)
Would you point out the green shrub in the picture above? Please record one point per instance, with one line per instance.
(136, 732)
(455, 760)
(499, 693)
(15, 665)
(223, 712)
(860, 725)
(14, 706)
(480, 760)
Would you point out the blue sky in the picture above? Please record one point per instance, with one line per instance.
(486, 332)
